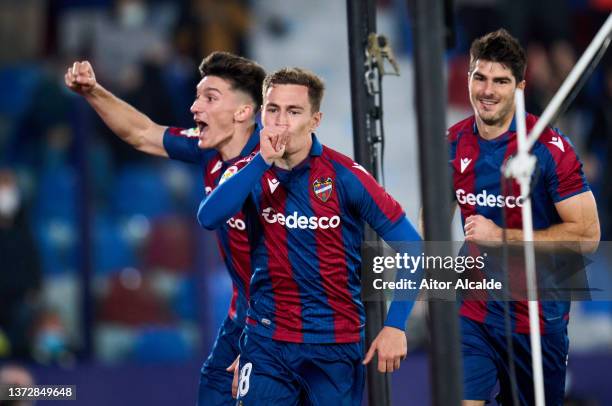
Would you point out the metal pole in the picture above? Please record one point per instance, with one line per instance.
(361, 21)
(524, 179)
(429, 37)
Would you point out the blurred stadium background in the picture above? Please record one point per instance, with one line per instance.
(107, 282)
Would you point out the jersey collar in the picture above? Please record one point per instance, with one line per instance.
(252, 142)
(511, 129)
(316, 149)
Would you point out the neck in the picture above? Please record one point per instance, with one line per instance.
(291, 160)
(232, 148)
(492, 131)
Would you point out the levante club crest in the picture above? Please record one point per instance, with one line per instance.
(322, 188)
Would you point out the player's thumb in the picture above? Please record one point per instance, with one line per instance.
(370, 353)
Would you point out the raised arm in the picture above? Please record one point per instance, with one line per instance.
(125, 121)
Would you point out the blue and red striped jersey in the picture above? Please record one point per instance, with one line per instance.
(477, 179)
(306, 228)
(182, 144)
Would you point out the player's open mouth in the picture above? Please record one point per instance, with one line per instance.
(201, 126)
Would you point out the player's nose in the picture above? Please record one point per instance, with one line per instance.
(281, 120)
(194, 107)
(488, 88)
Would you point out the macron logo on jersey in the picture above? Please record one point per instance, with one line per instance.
(217, 166)
(296, 221)
(273, 183)
(488, 200)
(557, 142)
(465, 162)
(361, 168)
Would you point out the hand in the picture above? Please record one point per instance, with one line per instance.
(272, 143)
(481, 229)
(80, 78)
(235, 369)
(392, 348)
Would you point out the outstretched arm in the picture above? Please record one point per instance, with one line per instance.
(125, 121)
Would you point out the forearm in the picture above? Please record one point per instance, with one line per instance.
(126, 122)
(559, 232)
(227, 199)
(399, 238)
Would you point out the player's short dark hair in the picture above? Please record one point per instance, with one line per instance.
(499, 46)
(243, 74)
(298, 76)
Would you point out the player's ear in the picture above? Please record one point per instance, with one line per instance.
(244, 113)
(521, 85)
(315, 120)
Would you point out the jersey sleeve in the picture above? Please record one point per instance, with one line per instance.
(374, 205)
(402, 303)
(564, 176)
(182, 145)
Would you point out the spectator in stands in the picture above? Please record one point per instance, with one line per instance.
(20, 275)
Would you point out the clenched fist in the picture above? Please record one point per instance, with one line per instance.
(272, 143)
(80, 78)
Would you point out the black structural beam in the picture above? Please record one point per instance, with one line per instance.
(429, 43)
(361, 16)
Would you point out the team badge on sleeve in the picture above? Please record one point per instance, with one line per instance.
(323, 188)
(191, 132)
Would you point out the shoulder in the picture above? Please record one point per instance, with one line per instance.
(236, 166)
(552, 140)
(343, 164)
(244, 161)
(334, 156)
(455, 131)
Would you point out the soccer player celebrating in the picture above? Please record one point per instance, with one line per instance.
(305, 206)
(563, 210)
(227, 100)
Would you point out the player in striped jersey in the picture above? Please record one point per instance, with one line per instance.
(227, 100)
(563, 210)
(306, 205)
